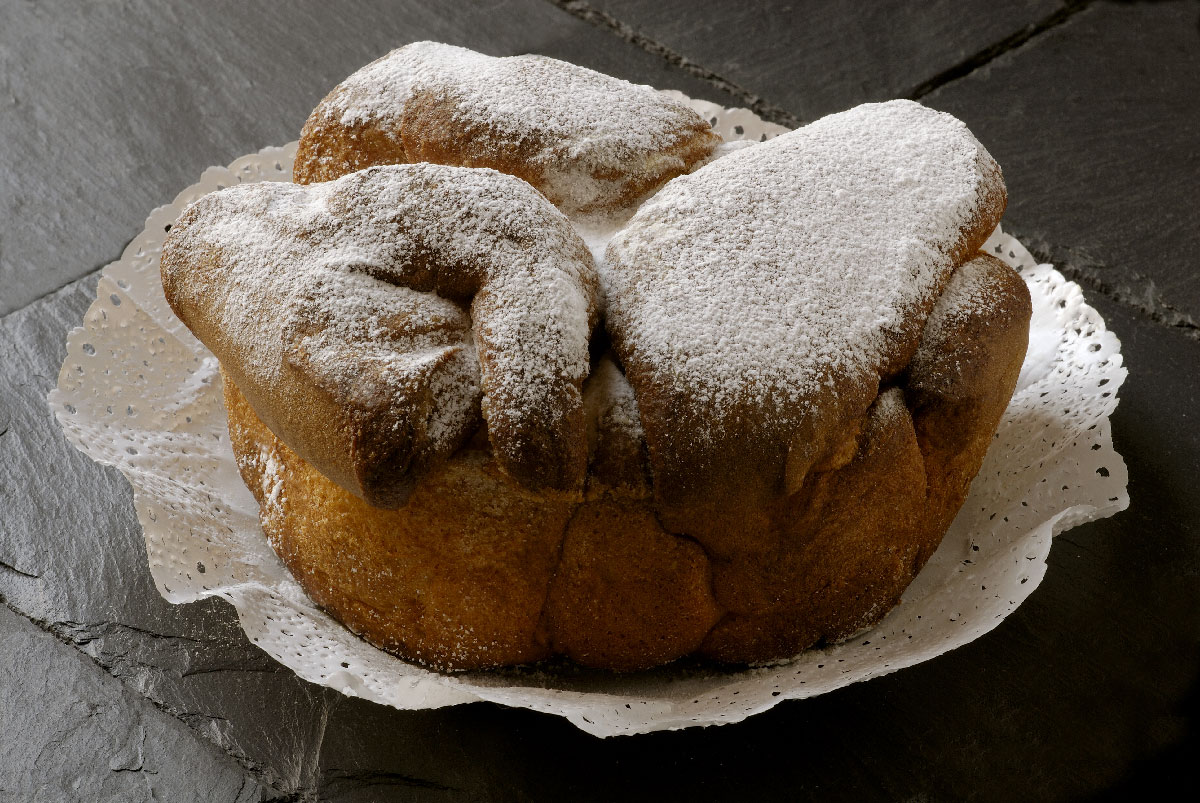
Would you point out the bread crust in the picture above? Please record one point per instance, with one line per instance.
(477, 572)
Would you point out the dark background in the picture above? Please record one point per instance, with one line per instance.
(1089, 690)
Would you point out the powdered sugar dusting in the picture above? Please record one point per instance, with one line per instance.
(771, 270)
(361, 338)
(272, 480)
(589, 135)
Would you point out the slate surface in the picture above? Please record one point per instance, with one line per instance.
(1090, 689)
(72, 559)
(114, 744)
(811, 58)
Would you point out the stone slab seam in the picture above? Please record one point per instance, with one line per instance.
(315, 777)
(94, 271)
(605, 21)
(8, 567)
(1142, 298)
(994, 51)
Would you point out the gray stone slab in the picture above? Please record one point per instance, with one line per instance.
(109, 109)
(70, 733)
(1095, 123)
(813, 58)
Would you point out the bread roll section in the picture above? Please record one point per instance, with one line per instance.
(589, 142)
(373, 321)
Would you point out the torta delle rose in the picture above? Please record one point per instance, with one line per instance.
(527, 363)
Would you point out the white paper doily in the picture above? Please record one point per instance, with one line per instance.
(139, 392)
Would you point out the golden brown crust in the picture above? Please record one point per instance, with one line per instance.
(626, 594)
(838, 553)
(324, 155)
(962, 377)
(454, 579)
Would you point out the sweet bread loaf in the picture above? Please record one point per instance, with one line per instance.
(737, 432)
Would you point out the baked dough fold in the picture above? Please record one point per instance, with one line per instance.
(372, 321)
